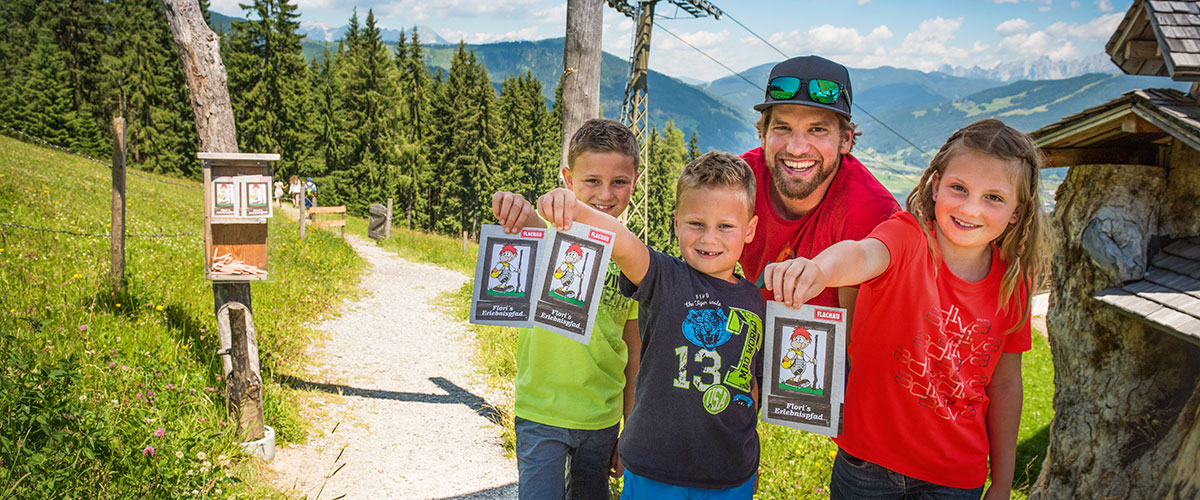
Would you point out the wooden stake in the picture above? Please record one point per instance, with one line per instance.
(387, 227)
(117, 237)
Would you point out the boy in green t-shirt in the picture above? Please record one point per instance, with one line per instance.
(570, 397)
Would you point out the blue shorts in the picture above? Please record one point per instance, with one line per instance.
(637, 487)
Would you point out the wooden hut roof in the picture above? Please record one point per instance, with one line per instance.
(1159, 38)
(1168, 298)
(1124, 130)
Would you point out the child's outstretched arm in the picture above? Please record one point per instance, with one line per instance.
(845, 263)
(561, 208)
(1003, 423)
(513, 212)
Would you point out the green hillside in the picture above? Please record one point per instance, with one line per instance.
(109, 394)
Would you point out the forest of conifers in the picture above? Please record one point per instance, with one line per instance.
(368, 121)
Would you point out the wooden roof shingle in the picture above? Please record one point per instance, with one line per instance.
(1174, 26)
(1168, 112)
(1168, 297)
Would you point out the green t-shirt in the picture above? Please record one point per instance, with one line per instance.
(563, 383)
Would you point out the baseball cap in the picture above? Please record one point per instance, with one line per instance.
(809, 81)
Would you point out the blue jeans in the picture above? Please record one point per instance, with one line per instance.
(638, 487)
(855, 478)
(544, 452)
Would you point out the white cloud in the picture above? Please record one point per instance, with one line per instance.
(699, 39)
(1104, 5)
(1013, 26)
(1006, 1)
(527, 33)
(863, 2)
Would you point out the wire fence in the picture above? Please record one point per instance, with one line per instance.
(42, 142)
(99, 235)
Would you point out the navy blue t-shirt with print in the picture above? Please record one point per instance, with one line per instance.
(693, 419)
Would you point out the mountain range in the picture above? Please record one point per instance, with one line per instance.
(895, 108)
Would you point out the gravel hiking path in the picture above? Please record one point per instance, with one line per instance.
(394, 402)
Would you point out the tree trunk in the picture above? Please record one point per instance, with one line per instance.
(200, 52)
(1127, 406)
(581, 67)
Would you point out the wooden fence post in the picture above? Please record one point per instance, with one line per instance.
(117, 237)
(200, 54)
(239, 348)
(387, 227)
(303, 201)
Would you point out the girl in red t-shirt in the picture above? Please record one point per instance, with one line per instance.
(942, 317)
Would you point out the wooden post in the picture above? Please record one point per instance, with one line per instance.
(581, 67)
(343, 223)
(303, 202)
(117, 237)
(387, 227)
(239, 348)
(200, 53)
(464, 251)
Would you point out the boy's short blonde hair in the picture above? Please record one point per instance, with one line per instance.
(603, 136)
(718, 170)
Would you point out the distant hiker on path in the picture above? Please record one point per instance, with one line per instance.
(295, 190)
(811, 192)
(310, 194)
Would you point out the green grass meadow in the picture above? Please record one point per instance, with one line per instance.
(795, 464)
(111, 393)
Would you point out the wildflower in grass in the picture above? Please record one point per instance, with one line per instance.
(83, 328)
(118, 304)
(158, 308)
(77, 276)
(222, 460)
(112, 364)
(160, 432)
(200, 455)
(148, 451)
(178, 454)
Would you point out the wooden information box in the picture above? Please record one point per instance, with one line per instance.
(235, 218)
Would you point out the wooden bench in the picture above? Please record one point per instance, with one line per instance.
(340, 209)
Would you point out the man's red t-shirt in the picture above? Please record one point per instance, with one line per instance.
(923, 347)
(855, 203)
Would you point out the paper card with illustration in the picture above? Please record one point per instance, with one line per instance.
(256, 190)
(571, 278)
(226, 200)
(805, 367)
(505, 276)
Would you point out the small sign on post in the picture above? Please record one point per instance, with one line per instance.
(236, 211)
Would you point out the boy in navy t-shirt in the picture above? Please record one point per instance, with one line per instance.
(692, 426)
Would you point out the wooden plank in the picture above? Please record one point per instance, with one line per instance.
(1142, 49)
(329, 223)
(1135, 124)
(218, 157)
(1130, 303)
(1069, 157)
(328, 210)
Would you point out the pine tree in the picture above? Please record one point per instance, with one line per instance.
(144, 84)
(693, 148)
(269, 84)
(470, 137)
(327, 107)
(667, 154)
(529, 147)
(414, 110)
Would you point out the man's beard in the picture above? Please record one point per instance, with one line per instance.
(797, 189)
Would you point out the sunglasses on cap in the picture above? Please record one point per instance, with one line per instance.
(819, 90)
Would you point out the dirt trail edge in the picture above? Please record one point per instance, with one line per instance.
(395, 378)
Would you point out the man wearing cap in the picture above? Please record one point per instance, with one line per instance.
(811, 192)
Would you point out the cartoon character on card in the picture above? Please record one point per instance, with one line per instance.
(505, 270)
(797, 359)
(566, 273)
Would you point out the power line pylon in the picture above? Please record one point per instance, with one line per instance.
(634, 107)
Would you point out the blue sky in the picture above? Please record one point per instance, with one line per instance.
(918, 34)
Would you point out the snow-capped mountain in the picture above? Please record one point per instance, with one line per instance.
(1036, 69)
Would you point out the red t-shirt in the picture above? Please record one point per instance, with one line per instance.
(853, 206)
(923, 346)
